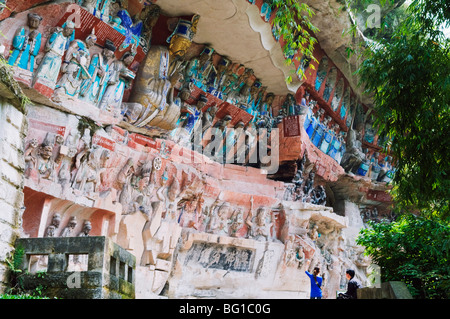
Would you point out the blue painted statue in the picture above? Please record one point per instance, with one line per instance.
(56, 46)
(327, 139)
(119, 79)
(341, 151)
(335, 143)
(74, 67)
(26, 44)
(266, 10)
(131, 30)
(92, 89)
(365, 164)
(375, 167)
(319, 132)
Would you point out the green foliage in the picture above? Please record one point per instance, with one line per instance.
(292, 22)
(415, 250)
(15, 271)
(409, 77)
(392, 13)
(7, 79)
(16, 290)
(22, 296)
(16, 260)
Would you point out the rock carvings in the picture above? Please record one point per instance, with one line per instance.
(145, 136)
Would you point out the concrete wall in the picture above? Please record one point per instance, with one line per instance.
(78, 267)
(12, 127)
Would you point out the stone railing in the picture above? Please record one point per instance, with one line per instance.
(78, 267)
(388, 290)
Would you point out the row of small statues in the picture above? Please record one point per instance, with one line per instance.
(324, 134)
(67, 231)
(75, 69)
(371, 214)
(376, 171)
(136, 29)
(228, 222)
(94, 77)
(229, 82)
(345, 150)
(195, 129)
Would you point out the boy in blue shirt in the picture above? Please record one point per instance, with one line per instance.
(316, 283)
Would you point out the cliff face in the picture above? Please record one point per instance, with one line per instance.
(197, 227)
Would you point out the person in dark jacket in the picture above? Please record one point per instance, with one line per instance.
(352, 286)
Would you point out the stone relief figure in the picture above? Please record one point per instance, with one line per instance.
(26, 44)
(66, 153)
(57, 44)
(51, 229)
(218, 130)
(220, 78)
(319, 196)
(83, 147)
(308, 188)
(74, 67)
(236, 222)
(321, 73)
(92, 89)
(118, 81)
(313, 233)
(208, 117)
(261, 224)
(87, 178)
(189, 217)
(151, 101)
(266, 106)
(89, 5)
(191, 121)
(86, 229)
(233, 145)
(289, 251)
(136, 205)
(30, 156)
(170, 196)
(45, 163)
(184, 95)
(387, 171)
(298, 180)
(354, 156)
(68, 230)
(123, 178)
(219, 220)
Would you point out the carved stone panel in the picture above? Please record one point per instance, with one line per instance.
(220, 257)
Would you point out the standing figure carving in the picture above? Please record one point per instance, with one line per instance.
(119, 80)
(219, 220)
(51, 229)
(45, 163)
(26, 44)
(30, 156)
(260, 224)
(92, 89)
(68, 230)
(74, 67)
(57, 44)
